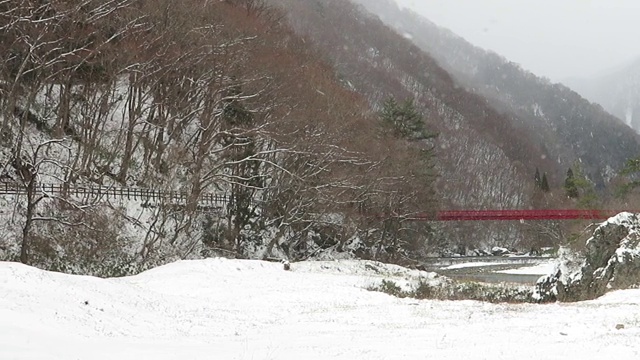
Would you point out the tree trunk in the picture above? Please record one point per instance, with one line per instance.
(26, 230)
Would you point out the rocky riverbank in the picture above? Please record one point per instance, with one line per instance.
(612, 262)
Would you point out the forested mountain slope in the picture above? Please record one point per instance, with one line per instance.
(486, 158)
(189, 98)
(568, 127)
(290, 115)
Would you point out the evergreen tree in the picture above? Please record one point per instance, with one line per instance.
(585, 188)
(537, 180)
(544, 183)
(246, 174)
(632, 166)
(404, 120)
(234, 112)
(631, 171)
(570, 187)
(578, 186)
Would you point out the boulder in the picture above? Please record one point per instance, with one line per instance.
(499, 251)
(612, 261)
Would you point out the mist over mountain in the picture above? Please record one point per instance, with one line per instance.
(618, 91)
(569, 127)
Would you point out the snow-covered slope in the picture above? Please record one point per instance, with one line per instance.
(231, 309)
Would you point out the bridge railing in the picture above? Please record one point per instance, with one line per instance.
(131, 193)
(209, 200)
(515, 215)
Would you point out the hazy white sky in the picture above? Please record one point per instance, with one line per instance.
(553, 38)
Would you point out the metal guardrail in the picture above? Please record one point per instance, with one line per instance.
(208, 200)
(160, 196)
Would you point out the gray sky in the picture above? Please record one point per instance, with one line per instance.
(553, 38)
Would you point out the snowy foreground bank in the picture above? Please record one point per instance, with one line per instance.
(231, 309)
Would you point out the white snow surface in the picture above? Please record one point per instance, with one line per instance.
(540, 269)
(234, 309)
(470, 265)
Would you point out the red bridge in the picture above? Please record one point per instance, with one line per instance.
(478, 215)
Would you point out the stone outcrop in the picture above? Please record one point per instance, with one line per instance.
(612, 262)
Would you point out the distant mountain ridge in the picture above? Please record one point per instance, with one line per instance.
(618, 92)
(568, 126)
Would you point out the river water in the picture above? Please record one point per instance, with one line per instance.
(491, 277)
(524, 270)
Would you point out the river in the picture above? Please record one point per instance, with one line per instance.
(514, 270)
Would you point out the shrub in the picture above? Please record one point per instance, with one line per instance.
(391, 288)
(458, 291)
(94, 245)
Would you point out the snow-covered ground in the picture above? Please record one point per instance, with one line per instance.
(471, 265)
(232, 309)
(543, 268)
(540, 269)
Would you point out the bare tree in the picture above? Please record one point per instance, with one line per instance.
(29, 167)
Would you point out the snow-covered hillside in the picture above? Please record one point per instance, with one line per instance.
(232, 309)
